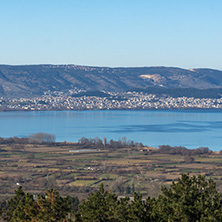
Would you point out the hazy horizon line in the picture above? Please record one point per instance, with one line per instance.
(106, 66)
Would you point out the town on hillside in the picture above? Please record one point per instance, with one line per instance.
(77, 99)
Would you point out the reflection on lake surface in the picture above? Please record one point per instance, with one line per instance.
(189, 128)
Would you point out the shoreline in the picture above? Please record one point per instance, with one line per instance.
(152, 109)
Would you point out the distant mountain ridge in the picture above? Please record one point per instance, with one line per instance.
(33, 80)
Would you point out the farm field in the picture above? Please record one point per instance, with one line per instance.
(75, 169)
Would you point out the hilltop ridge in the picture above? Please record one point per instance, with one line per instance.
(33, 80)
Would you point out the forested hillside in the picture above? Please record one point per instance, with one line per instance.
(33, 80)
(180, 92)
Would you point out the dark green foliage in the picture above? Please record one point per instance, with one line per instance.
(73, 203)
(21, 207)
(46, 208)
(52, 206)
(103, 206)
(190, 199)
(26, 209)
(180, 92)
(12, 204)
(141, 210)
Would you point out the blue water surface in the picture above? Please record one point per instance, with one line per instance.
(189, 128)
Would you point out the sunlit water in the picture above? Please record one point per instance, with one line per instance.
(189, 128)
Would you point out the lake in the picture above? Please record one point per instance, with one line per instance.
(189, 128)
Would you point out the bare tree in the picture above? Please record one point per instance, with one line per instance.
(189, 159)
(42, 138)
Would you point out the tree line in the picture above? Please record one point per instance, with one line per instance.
(41, 138)
(122, 142)
(33, 138)
(191, 198)
(180, 150)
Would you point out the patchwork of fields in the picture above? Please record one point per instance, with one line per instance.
(77, 170)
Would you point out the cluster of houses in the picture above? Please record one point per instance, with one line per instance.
(128, 100)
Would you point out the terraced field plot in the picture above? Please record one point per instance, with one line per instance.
(77, 170)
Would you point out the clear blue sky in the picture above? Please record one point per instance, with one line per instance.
(182, 33)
